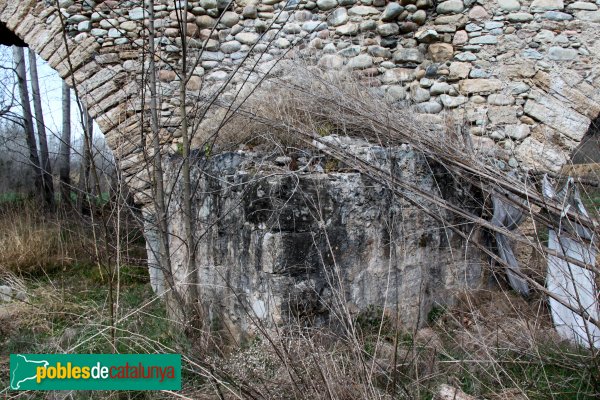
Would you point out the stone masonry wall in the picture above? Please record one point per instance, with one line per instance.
(522, 76)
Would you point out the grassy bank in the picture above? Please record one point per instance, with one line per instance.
(74, 298)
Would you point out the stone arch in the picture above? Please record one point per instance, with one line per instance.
(523, 76)
(103, 85)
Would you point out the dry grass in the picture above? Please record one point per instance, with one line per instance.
(32, 240)
(492, 345)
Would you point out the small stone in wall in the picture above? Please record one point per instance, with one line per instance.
(388, 29)
(500, 100)
(440, 88)
(362, 61)
(230, 18)
(347, 50)
(427, 36)
(453, 101)
(396, 75)
(331, 61)
(248, 38)
(166, 75)
(408, 56)
(249, 12)
(84, 26)
(430, 107)
(99, 32)
(497, 134)
(582, 5)
(370, 25)
(282, 43)
(136, 14)
(460, 37)
(509, 5)
(407, 27)
(518, 87)
(470, 86)
(204, 22)
(557, 16)
(450, 7)
(391, 12)
(418, 94)
(128, 26)
(546, 5)
(311, 26)
(561, 54)
(466, 56)
(517, 132)
(379, 51)
(338, 17)
(440, 52)
(230, 47)
(459, 70)
(485, 39)
(350, 29)
(501, 115)
(535, 154)
(520, 17)
(362, 11)
(395, 93)
(419, 17)
(194, 83)
(589, 16)
(478, 13)
(326, 4)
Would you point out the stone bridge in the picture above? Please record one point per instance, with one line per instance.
(521, 75)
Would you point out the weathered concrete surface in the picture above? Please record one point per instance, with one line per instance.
(279, 244)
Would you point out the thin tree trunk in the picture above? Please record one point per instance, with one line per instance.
(159, 195)
(84, 184)
(19, 60)
(65, 146)
(192, 290)
(88, 124)
(48, 185)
